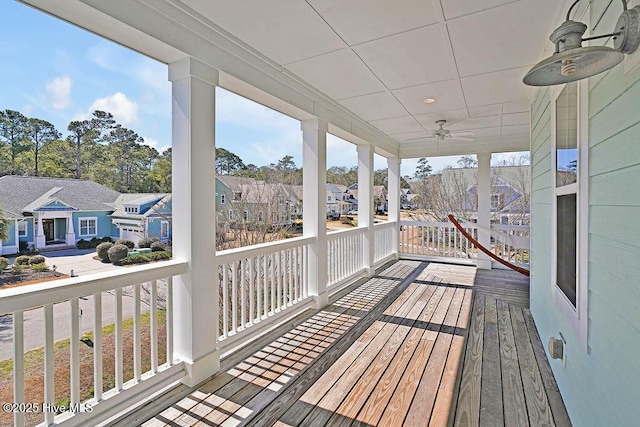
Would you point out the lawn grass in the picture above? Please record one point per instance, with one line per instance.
(34, 366)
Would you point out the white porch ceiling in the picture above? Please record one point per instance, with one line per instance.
(381, 58)
(377, 59)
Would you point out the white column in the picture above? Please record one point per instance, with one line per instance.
(71, 234)
(365, 204)
(314, 215)
(484, 207)
(40, 240)
(393, 184)
(193, 189)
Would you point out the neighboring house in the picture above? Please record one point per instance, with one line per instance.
(240, 199)
(52, 212)
(339, 200)
(379, 196)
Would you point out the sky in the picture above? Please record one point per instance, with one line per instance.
(57, 72)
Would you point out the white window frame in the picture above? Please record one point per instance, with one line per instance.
(23, 233)
(260, 216)
(577, 316)
(222, 199)
(245, 215)
(164, 232)
(230, 215)
(87, 218)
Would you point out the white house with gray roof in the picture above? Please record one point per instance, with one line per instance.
(49, 213)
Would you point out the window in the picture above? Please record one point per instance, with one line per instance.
(495, 202)
(280, 199)
(237, 195)
(274, 217)
(164, 229)
(570, 204)
(222, 199)
(328, 198)
(22, 228)
(245, 215)
(88, 226)
(260, 217)
(230, 215)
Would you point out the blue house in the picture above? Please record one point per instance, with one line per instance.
(49, 213)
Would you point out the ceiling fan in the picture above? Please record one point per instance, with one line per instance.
(442, 134)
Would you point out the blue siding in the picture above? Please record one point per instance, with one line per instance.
(145, 207)
(103, 223)
(11, 233)
(600, 384)
(153, 229)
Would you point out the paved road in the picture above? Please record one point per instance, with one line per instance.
(34, 322)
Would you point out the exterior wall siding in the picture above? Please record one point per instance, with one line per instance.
(103, 223)
(11, 234)
(599, 384)
(30, 232)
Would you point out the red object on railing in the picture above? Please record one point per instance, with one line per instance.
(485, 250)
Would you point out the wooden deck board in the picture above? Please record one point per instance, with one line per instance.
(419, 344)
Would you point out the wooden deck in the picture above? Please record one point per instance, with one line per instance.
(419, 344)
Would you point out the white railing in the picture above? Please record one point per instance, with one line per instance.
(511, 243)
(436, 239)
(258, 283)
(344, 252)
(441, 239)
(383, 240)
(83, 304)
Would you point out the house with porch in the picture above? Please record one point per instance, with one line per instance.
(50, 213)
(364, 326)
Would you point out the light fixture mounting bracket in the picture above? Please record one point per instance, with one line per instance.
(628, 26)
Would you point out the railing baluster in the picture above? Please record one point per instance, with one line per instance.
(153, 325)
(252, 304)
(265, 272)
(243, 294)
(74, 351)
(49, 394)
(272, 273)
(137, 357)
(234, 297)
(18, 365)
(169, 316)
(259, 287)
(118, 346)
(289, 267)
(97, 346)
(225, 300)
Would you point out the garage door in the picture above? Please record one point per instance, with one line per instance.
(131, 234)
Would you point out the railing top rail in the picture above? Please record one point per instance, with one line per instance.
(510, 227)
(230, 255)
(385, 224)
(37, 294)
(347, 231)
(434, 224)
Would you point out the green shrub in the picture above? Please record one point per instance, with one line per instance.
(157, 247)
(95, 241)
(15, 269)
(107, 239)
(37, 259)
(134, 259)
(82, 244)
(103, 250)
(3, 263)
(22, 260)
(117, 252)
(147, 242)
(39, 267)
(159, 256)
(128, 243)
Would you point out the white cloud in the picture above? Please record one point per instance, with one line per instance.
(234, 109)
(59, 92)
(124, 110)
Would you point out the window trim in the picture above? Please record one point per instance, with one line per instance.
(222, 199)
(230, 215)
(577, 316)
(163, 234)
(87, 218)
(26, 228)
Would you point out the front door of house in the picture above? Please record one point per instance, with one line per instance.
(48, 228)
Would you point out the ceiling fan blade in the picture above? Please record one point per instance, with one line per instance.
(464, 133)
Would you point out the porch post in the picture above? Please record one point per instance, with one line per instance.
(484, 207)
(40, 240)
(393, 201)
(365, 204)
(71, 234)
(314, 214)
(193, 188)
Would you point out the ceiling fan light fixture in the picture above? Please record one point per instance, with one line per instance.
(571, 61)
(429, 101)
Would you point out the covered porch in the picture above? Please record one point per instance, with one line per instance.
(418, 344)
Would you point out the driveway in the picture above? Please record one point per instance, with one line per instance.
(81, 261)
